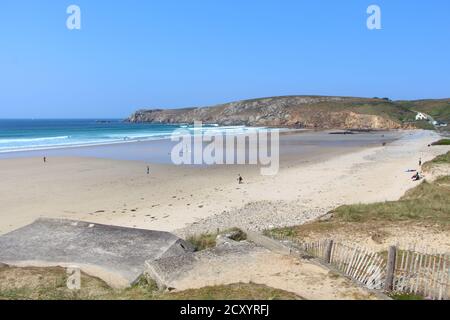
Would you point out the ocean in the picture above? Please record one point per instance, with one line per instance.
(32, 135)
(118, 140)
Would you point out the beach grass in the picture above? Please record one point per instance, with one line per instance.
(428, 203)
(207, 240)
(405, 296)
(202, 241)
(442, 142)
(443, 159)
(237, 291)
(50, 284)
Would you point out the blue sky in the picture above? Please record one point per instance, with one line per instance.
(133, 54)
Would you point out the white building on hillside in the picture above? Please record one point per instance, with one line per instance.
(421, 116)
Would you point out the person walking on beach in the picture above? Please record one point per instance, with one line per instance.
(45, 159)
(148, 169)
(420, 162)
(240, 179)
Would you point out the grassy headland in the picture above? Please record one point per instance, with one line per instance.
(315, 112)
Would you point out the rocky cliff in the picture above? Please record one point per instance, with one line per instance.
(292, 111)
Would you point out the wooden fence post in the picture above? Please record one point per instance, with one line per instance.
(328, 249)
(390, 269)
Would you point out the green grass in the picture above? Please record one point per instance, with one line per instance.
(425, 125)
(208, 240)
(428, 203)
(238, 291)
(50, 284)
(442, 142)
(443, 159)
(202, 241)
(405, 296)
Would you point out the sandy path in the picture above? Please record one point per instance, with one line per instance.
(282, 272)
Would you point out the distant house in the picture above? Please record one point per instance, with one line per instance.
(421, 116)
(439, 123)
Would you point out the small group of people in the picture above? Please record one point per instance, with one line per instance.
(417, 176)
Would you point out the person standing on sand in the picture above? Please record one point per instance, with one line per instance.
(240, 179)
(420, 162)
(45, 159)
(148, 169)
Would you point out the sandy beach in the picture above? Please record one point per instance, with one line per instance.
(196, 199)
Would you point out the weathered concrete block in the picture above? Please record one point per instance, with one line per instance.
(115, 254)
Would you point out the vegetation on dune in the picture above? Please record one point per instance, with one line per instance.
(405, 296)
(443, 159)
(427, 203)
(238, 291)
(50, 284)
(208, 240)
(442, 142)
(202, 241)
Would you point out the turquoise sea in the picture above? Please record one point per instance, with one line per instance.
(119, 140)
(28, 135)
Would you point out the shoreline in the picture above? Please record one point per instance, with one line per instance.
(157, 151)
(197, 199)
(11, 154)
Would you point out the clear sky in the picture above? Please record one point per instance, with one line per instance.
(166, 53)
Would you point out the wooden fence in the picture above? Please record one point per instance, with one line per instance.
(410, 271)
(423, 273)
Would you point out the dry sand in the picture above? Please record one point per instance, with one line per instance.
(306, 279)
(173, 198)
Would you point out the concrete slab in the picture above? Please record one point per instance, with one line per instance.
(114, 254)
(167, 271)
